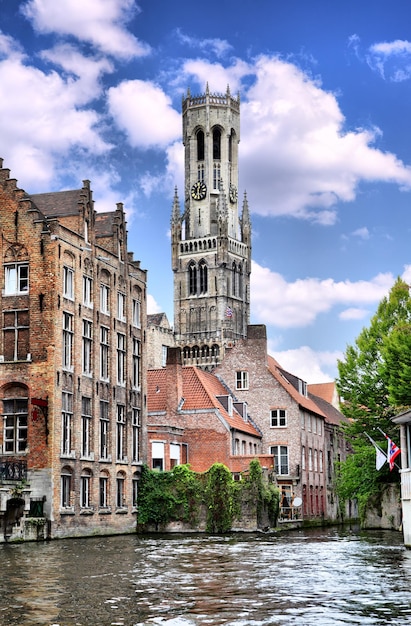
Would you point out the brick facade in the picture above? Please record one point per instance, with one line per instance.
(72, 297)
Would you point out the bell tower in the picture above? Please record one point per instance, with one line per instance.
(211, 244)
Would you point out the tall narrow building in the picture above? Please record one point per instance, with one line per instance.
(211, 243)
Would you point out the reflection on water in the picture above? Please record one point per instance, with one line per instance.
(326, 578)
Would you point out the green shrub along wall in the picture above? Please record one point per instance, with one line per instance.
(211, 501)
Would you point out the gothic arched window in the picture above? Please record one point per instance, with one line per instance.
(203, 270)
(192, 279)
(240, 280)
(216, 143)
(200, 146)
(234, 280)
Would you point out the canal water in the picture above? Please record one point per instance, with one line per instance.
(304, 578)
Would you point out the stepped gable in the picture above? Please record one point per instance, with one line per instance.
(104, 223)
(286, 380)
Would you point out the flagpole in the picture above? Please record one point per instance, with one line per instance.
(375, 444)
(388, 438)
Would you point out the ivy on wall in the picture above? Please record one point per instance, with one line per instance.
(181, 494)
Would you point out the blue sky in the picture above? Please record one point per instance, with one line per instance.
(92, 89)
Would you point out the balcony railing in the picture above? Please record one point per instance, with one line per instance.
(12, 469)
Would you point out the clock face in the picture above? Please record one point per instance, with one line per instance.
(198, 190)
(233, 194)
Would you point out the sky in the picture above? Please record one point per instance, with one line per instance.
(92, 89)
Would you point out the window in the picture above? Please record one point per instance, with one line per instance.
(163, 356)
(67, 341)
(104, 353)
(315, 461)
(216, 143)
(135, 436)
(85, 426)
(65, 495)
(87, 351)
(192, 279)
(321, 461)
(200, 145)
(120, 495)
(88, 291)
(68, 283)
(136, 378)
(104, 299)
(121, 306)
(66, 423)
(16, 278)
(303, 458)
(278, 418)
(15, 413)
(241, 381)
(135, 491)
(121, 433)
(216, 176)
(104, 431)
(157, 455)
(121, 359)
(310, 459)
(280, 459)
(103, 492)
(136, 313)
(174, 455)
(85, 483)
(16, 335)
(203, 277)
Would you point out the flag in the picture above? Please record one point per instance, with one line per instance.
(393, 452)
(380, 458)
(228, 312)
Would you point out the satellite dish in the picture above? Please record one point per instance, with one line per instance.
(297, 502)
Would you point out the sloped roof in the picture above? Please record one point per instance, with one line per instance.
(305, 402)
(59, 203)
(332, 415)
(200, 391)
(158, 319)
(323, 390)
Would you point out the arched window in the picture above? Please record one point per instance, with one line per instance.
(192, 279)
(203, 277)
(216, 143)
(240, 281)
(200, 146)
(85, 489)
(234, 280)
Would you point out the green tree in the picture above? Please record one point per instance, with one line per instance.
(372, 382)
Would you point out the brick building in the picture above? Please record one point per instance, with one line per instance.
(301, 431)
(193, 418)
(72, 365)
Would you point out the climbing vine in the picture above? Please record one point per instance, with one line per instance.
(184, 495)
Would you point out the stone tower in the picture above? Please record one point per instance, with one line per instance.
(211, 244)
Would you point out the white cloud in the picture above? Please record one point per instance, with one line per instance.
(99, 22)
(152, 306)
(392, 60)
(295, 155)
(42, 120)
(145, 113)
(216, 75)
(294, 305)
(361, 233)
(217, 46)
(309, 365)
(353, 314)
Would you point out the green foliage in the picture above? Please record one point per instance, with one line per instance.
(179, 495)
(374, 386)
(219, 497)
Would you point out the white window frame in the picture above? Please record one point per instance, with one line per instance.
(104, 353)
(281, 459)
(65, 490)
(88, 291)
(121, 444)
(121, 306)
(66, 423)
(136, 373)
(15, 418)
(241, 380)
(121, 359)
(85, 489)
(86, 427)
(87, 347)
(136, 313)
(68, 336)
(68, 282)
(278, 418)
(105, 299)
(16, 278)
(135, 436)
(104, 442)
(103, 492)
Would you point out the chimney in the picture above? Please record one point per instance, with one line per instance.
(174, 379)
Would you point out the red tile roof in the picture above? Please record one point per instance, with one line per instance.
(200, 391)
